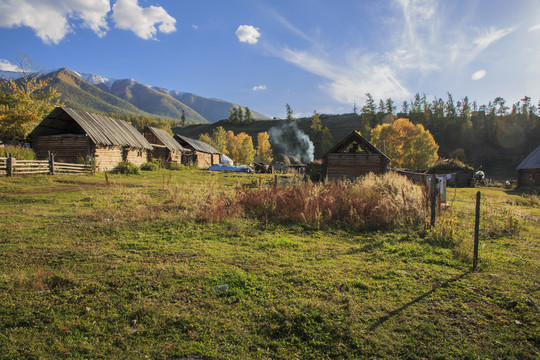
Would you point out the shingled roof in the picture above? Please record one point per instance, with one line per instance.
(532, 161)
(352, 137)
(195, 144)
(102, 130)
(166, 139)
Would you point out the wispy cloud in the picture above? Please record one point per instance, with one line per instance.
(259, 88)
(534, 28)
(420, 49)
(248, 33)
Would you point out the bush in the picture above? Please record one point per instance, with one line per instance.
(18, 152)
(176, 166)
(150, 166)
(127, 168)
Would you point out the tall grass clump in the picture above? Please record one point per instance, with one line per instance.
(18, 152)
(370, 202)
(127, 168)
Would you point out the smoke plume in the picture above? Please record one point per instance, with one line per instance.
(290, 140)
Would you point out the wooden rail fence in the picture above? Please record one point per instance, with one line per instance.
(11, 167)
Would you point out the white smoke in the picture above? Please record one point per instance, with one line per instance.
(290, 140)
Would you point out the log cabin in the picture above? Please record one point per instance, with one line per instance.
(198, 153)
(164, 145)
(75, 136)
(529, 170)
(352, 157)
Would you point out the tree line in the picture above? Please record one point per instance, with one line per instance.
(463, 129)
(239, 148)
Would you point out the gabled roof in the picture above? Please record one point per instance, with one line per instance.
(102, 130)
(195, 144)
(166, 139)
(359, 139)
(532, 161)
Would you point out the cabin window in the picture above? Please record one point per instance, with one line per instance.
(139, 153)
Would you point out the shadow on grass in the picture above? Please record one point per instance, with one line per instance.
(397, 311)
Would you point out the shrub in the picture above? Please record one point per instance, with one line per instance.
(175, 166)
(127, 168)
(18, 152)
(150, 166)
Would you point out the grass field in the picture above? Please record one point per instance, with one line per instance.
(134, 269)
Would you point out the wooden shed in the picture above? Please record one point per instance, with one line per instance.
(75, 135)
(529, 170)
(198, 153)
(164, 145)
(352, 157)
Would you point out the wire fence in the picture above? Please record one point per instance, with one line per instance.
(509, 243)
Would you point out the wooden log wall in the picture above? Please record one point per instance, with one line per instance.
(203, 159)
(136, 156)
(528, 178)
(107, 158)
(340, 165)
(68, 148)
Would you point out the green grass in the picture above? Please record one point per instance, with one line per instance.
(128, 270)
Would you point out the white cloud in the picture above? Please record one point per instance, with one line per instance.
(50, 19)
(534, 28)
(128, 15)
(195, 27)
(478, 75)
(248, 33)
(6, 65)
(259, 88)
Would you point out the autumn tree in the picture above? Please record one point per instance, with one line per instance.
(25, 102)
(246, 153)
(264, 150)
(408, 145)
(219, 136)
(231, 149)
(205, 138)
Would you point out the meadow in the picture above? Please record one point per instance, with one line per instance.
(199, 265)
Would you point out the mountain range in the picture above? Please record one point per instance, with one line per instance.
(95, 93)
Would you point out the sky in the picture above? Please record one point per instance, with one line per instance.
(315, 55)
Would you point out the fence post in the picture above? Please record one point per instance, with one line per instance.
(476, 230)
(9, 165)
(433, 198)
(51, 163)
(275, 181)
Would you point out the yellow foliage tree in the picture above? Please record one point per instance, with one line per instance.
(247, 151)
(409, 146)
(205, 138)
(24, 103)
(264, 149)
(219, 136)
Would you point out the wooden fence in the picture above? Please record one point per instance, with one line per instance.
(11, 167)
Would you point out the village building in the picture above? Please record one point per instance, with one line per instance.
(198, 153)
(76, 136)
(164, 145)
(529, 170)
(352, 157)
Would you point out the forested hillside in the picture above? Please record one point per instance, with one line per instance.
(496, 136)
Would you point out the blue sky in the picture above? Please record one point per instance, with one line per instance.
(312, 54)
